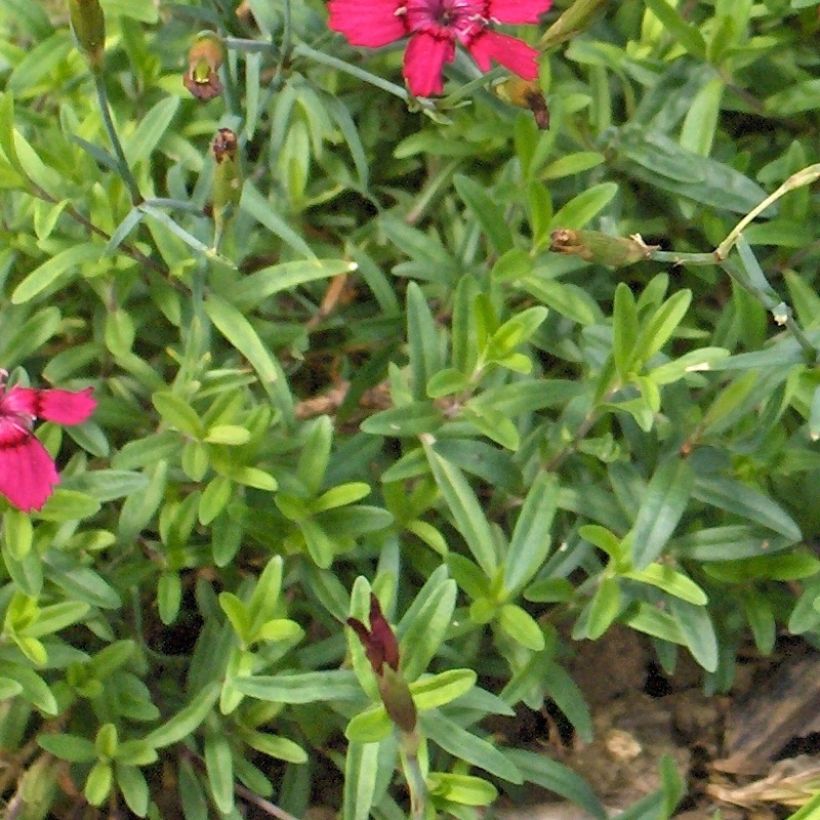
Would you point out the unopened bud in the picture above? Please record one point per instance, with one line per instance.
(88, 24)
(396, 697)
(601, 248)
(227, 178)
(525, 94)
(204, 59)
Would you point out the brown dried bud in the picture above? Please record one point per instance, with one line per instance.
(525, 94)
(204, 59)
(88, 24)
(594, 246)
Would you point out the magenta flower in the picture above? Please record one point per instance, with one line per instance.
(27, 471)
(434, 26)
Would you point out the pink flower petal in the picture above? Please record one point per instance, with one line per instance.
(27, 474)
(19, 400)
(424, 60)
(513, 54)
(518, 11)
(12, 430)
(66, 406)
(371, 23)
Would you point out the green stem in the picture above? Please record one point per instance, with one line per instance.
(125, 171)
(684, 258)
(301, 50)
(805, 176)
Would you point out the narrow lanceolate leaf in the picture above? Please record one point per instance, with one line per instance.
(740, 499)
(464, 745)
(50, 272)
(487, 212)
(663, 505)
(530, 541)
(467, 513)
(698, 632)
(187, 719)
(240, 333)
(306, 687)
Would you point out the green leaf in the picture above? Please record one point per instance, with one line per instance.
(361, 766)
(131, 783)
(255, 288)
(624, 330)
(240, 333)
(685, 33)
(399, 422)
(219, 767)
(657, 331)
(739, 499)
(468, 747)
(665, 501)
(73, 748)
(461, 788)
(186, 721)
(530, 542)
(422, 634)
(584, 207)
(697, 631)
(306, 687)
(53, 618)
(521, 627)
(371, 726)
(53, 269)
(603, 608)
(17, 533)
(152, 127)
(264, 602)
(176, 412)
(486, 210)
(565, 298)
(254, 204)
(549, 774)
(671, 581)
(570, 164)
(701, 119)
(469, 517)
(98, 783)
(431, 691)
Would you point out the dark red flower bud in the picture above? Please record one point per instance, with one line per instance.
(382, 650)
(379, 642)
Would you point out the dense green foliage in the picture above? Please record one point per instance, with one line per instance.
(383, 378)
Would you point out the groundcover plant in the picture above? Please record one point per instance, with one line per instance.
(362, 359)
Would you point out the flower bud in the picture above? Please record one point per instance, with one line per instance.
(227, 176)
(204, 59)
(396, 697)
(525, 94)
(601, 248)
(88, 24)
(382, 650)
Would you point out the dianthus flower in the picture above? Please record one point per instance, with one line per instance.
(434, 26)
(27, 471)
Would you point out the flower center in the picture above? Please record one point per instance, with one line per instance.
(446, 19)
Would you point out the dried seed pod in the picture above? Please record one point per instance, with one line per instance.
(525, 94)
(594, 246)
